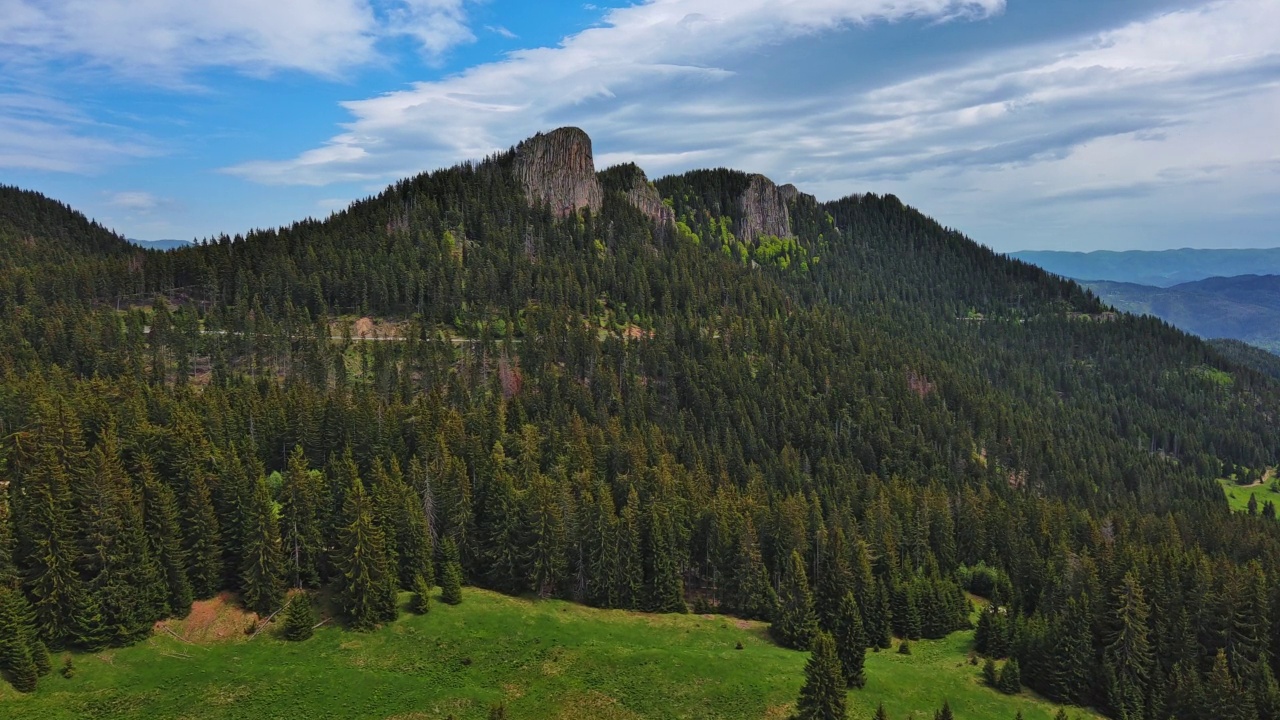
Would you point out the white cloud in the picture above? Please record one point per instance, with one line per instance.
(44, 134)
(136, 201)
(1014, 143)
(162, 41)
(637, 51)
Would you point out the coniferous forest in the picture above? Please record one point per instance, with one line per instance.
(841, 431)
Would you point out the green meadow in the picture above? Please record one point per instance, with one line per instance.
(539, 659)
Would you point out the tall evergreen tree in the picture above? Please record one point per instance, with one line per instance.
(750, 594)
(851, 641)
(164, 539)
(47, 544)
(262, 569)
(1127, 656)
(450, 573)
(17, 664)
(301, 541)
(822, 697)
(201, 539)
(666, 588)
(366, 585)
(299, 617)
(795, 624)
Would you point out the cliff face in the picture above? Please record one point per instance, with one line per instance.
(764, 210)
(557, 168)
(646, 199)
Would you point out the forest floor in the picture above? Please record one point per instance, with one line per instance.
(542, 659)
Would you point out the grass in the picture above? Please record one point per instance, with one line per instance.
(1238, 495)
(543, 659)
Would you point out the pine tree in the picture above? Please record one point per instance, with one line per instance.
(630, 569)
(47, 544)
(299, 617)
(1127, 655)
(666, 589)
(989, 673)
(795, 624)
(421, 596)
(878, 622)
(545, 537)
(262, 569)
(450, 574)
(836, 581)
(851, 641)
(366, 585)
(751, 595)
(202, 540)
(881, 713)
(164, 539)
(16, 662)
(301, 541)
(945, 713)
(1010, 680)
(823, 695)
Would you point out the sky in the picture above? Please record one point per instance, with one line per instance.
(1026, 124)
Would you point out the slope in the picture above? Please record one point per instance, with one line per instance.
(541, 660)
(1245, 308)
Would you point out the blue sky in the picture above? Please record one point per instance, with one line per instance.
(1064, 124)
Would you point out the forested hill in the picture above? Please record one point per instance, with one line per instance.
(704, 390)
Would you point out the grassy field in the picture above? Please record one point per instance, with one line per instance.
(544, 660)
(1238, 496)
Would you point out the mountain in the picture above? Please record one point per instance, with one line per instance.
(1245, 307)
(160, 244)
(1158, 268)
(705, 391)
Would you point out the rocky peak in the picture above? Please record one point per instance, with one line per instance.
(764, 210)
(646, 199)
(557, 168)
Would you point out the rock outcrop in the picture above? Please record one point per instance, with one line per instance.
(646, 199)
(557, 168)
(764, 210)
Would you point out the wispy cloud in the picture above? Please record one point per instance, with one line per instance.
(675, 84)
(42, 133)
(160, 41)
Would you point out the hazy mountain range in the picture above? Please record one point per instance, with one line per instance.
(1161, 268)
(159, 244)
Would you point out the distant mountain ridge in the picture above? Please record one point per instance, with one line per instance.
(1245, 307)
(1158, 268)
(160, 244)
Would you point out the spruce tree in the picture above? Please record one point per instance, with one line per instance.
(421, 596)
(752, 595)
(944, 713)
(881, 713)
(46, 543)
(301, 541)
(836, 581)
(366, 585)
(823, 695)
(164, 539)
(1010, 680)
(795, 623)
(450, 574)
(262, 568)
(630, 568)
(1127, 656)
(666, 588)
(299, 617)
(202, 541)
(16, 662)
(851, 641)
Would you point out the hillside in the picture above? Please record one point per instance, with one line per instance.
(1245, 308)
(1157, 268)
(1264, 362)
(704, 392)
(540, 660)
